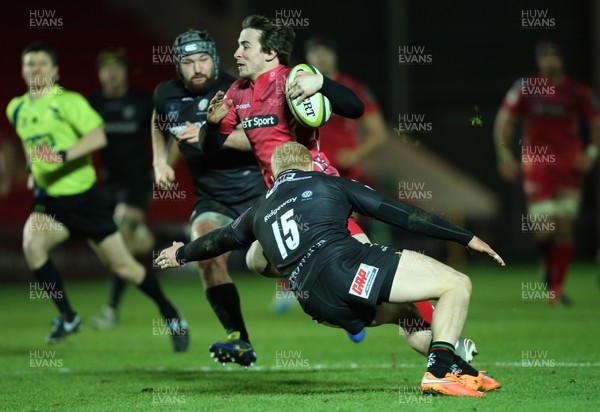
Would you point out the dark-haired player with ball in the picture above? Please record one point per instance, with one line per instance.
(258, 101)
(226, 182)
(342, 282)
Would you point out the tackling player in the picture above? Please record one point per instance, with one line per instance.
(126, 165)
(226, 182)
(59, 131)
(342, 282)
(553, 160)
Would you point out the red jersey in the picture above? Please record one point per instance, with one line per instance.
(552, 116)
(341, 132)
(262, 110)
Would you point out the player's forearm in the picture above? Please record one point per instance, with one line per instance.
(343, 100)
(238, 140)
(210, 138)
(211, 245)
(420, 221)
(92, 141)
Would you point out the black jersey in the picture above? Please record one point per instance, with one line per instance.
(302, 224)
(228, 175)
(127, 128)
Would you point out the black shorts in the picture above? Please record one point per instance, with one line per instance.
(347, 290)
(232, 211)
(88, 214)
(132, 192)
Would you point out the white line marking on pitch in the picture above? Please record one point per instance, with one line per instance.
(262, 368)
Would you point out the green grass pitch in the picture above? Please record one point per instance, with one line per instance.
(547, 359)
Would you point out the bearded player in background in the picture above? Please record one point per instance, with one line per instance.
(554, 160)
(226, 182)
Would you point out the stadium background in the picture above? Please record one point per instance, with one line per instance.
(477, 49)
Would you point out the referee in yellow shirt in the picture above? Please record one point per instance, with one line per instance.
(59, 131)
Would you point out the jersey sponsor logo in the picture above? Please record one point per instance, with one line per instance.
(274, 212)
(187, 99)
(243, 106)
(363, 281)
(255, 122)
(307, 194)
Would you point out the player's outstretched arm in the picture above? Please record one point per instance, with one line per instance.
(382, 207)
(212, 244)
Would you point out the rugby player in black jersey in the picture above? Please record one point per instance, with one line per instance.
(226, 182)
(342, 282)
(126, 164)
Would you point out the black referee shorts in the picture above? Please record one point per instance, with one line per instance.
(88, 214)
(347, 290)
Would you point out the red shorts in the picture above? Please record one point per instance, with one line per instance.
(541, 183)
(353, 227)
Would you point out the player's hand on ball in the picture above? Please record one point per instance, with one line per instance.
(480, 246)
(218, 108)
(166, 259)
(189, 133)
(305, 85)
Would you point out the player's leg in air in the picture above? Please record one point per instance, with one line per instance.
(139, 240)
(112, 251)
(223, 297)
(552, 221)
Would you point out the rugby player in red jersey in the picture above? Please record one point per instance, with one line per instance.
(257, 101)
(553, 157)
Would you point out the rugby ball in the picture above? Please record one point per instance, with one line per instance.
(315, 110)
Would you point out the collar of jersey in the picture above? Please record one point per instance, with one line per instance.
(268, 77)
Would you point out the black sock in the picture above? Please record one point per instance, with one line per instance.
(225, 302)
(464, 366)
(151, 288)
(116, 286)
(440, 358)
(51, 282)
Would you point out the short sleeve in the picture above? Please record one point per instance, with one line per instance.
(79, 113)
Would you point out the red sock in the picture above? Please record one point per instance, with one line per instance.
(426, 309)
(561, 257)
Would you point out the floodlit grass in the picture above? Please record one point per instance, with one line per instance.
(546, 358)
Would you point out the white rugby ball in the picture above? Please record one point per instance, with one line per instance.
(315, 110)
